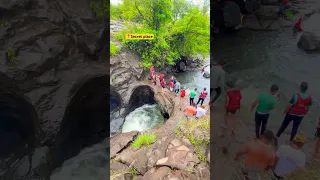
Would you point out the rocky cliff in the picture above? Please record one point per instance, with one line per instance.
(54, 81)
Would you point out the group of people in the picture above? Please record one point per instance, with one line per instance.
(259, 155)
(285, 5)
(192, 110)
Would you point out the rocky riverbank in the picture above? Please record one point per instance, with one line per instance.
(180, 149)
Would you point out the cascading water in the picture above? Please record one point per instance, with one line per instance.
(89, 164)
(143, 118)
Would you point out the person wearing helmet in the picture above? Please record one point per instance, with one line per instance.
(290, 158)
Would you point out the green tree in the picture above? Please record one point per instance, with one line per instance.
(115, 12)
(191, 34)
(179, 9)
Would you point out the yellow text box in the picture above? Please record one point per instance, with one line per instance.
(139, 36)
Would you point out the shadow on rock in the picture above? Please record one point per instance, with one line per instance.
(85, 120)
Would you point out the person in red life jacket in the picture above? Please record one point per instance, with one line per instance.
(163, 85)
(297, 26)
(298, 108)
(202, 96)
(232, 105)
(152, 68)
(182, 95)
(202, 70)
(317, 144)
(171, 85)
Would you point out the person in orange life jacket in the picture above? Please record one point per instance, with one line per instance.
(202, 96)
(298, 108)
(232, 105)
(297, 26)
(182, 95)
(317, 144)
(264, 103)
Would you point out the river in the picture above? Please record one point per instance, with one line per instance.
(258, 59)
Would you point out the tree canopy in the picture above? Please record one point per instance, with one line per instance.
(181, 29)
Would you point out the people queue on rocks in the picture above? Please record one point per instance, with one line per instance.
(259, 155)
(191, 110)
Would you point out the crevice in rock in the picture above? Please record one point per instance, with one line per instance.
(126, 146)
(85, 120)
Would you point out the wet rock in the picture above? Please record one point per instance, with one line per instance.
(23, 167)
(156, 173)
(309, 41)
(166, 104)
(253, 22)
(140, 96)
(268, 12)
(39, 156)
(206, 74)
(182, 66)
(117, 143)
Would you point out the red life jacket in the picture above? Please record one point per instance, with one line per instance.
(171, 84)
(298, 25)
(202, 69)
(161, 76)
(204, 94)
(162, 83)
(183, 92)
(301, 106)
(234, 99)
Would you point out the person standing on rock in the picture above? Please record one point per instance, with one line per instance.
(154, 79)
(290, 158)
(202, 96)
(177, 87)
(171, 85)
(232, 105)
(260, 156)
(217, 80)
(298, 108)
(265, 102)
(192, 95)
(182, 95)
(297, 25)
(163, 85)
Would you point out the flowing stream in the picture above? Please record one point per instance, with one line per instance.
(143, 118)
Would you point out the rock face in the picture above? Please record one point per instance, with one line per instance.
(309, 42)
(310, 38)
(54, 51)
(206, 74)
(231, 14)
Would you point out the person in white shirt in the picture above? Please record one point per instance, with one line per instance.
(201, 110)
(290, 157)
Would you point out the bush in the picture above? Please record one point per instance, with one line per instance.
(113, 49)
(144, 139)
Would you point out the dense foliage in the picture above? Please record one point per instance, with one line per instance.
(181, 29)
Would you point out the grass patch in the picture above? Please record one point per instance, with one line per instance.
(114, 175)
(11, 55)
(113, 49)
(144, 139)
(310, 173)
(197, 131)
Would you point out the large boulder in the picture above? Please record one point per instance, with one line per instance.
(253, 22)
(310, 38)
(206, 74)
(231, 14)
(309, 41)
(268, 12)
